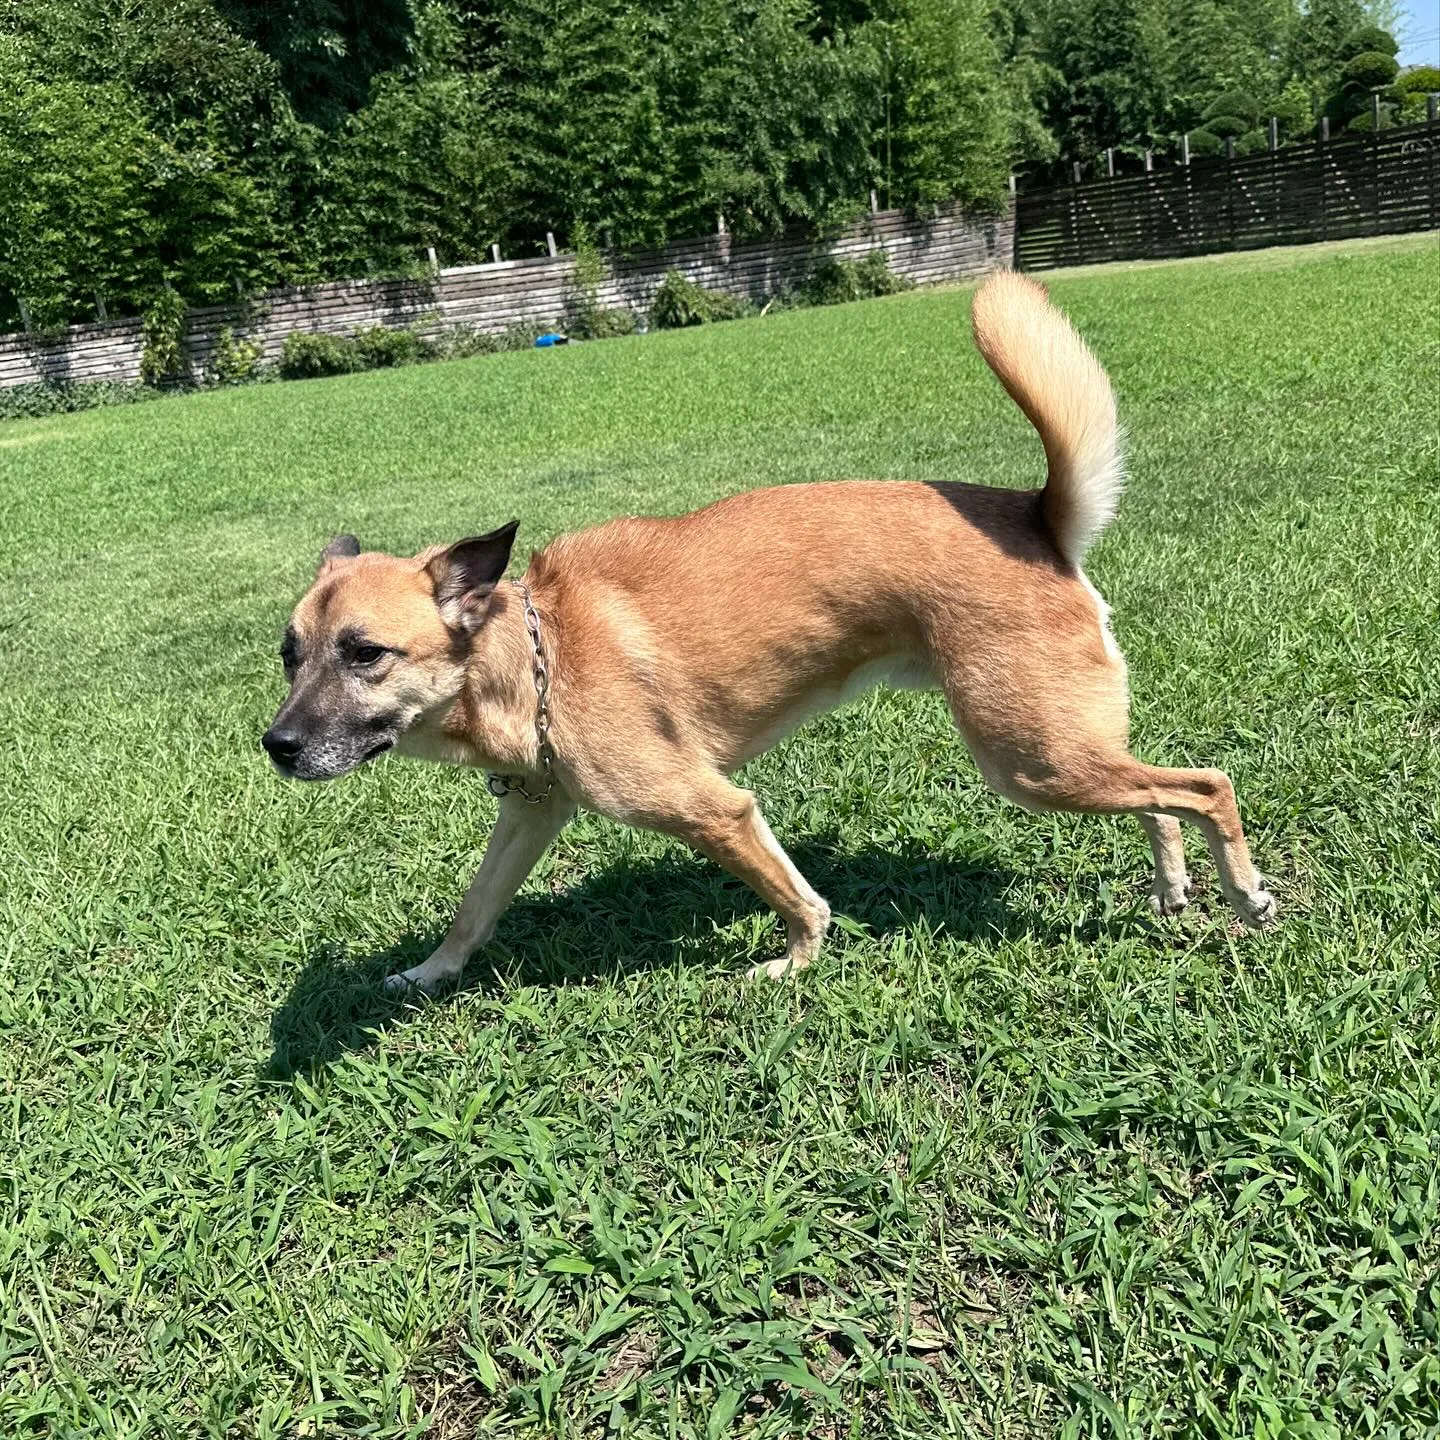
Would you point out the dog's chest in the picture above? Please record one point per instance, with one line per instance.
(430, 742)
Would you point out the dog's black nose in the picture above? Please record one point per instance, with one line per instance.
(282, 745)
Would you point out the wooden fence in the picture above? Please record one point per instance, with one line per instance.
(489, 298)
(1382, 183)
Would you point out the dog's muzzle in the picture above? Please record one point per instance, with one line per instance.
(303, 758)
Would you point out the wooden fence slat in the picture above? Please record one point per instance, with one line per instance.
(1384, 183)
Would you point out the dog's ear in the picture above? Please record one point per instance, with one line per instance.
(342, 547)
(466, 574)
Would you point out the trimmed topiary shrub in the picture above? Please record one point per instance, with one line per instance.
(679, 303)
(1238, 103)
(1205, 142)
(1368, 39)
(1370, 70)
(1224, 126)
(1252, 142)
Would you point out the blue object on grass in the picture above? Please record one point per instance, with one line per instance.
(543, 342)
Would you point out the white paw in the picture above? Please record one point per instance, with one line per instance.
(1170, 900)
(780, 969)
(1257, 909)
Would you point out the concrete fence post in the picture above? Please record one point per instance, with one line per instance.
(1375, 153)
(1320, 144)
(550, 243)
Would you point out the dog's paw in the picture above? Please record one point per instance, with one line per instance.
(1257, 909)
(1171, 900)
(781, 969)
(415, 986)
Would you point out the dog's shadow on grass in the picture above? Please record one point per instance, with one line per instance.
(630, 917)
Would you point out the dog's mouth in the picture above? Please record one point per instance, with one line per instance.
(323, 763)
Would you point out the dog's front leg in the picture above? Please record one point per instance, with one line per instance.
(522, 831)
(724, 822)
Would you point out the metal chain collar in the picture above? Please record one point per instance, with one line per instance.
(503, 785)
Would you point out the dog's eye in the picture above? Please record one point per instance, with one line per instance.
(366, 654)
(288, 654)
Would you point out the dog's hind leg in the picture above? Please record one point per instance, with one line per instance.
(522, 832)
(1046, 716)
(724, 823)
(1170, 893)
(1101, 782)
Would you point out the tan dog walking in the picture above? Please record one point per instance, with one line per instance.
(634, 667)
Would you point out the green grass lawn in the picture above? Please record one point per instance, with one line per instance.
(1013, 1160)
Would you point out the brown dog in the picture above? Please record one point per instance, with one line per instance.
(661, 654)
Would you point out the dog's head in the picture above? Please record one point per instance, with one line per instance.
(374, 644)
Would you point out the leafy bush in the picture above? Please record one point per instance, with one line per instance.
(1205, 142)
(31, 402)
(1414, 109)
(835, 282)
(233, 362)
(307, 356)
(1295, 110)
(1422, 80)
(463, 342)
(1370, 70)
(163, 360)
(680, 302)
(522, 336)
(587, 318)
(1252, 142)
(1363, 123)
(379, 348)
(605, 323)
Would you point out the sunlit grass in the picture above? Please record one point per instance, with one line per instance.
(1013, 1160)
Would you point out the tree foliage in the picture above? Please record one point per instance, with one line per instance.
(216, 145)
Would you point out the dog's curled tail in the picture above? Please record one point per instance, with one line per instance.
(1054, 378)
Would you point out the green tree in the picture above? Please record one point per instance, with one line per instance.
(947, 110)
